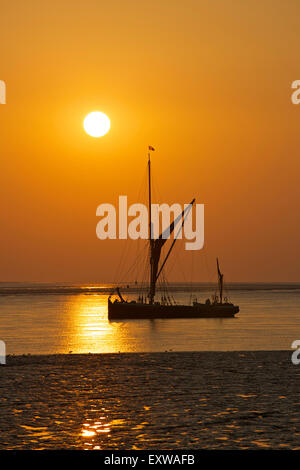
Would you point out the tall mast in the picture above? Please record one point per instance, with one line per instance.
(151, 295)
(149, 184)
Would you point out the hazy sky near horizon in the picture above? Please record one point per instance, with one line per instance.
(207, 83)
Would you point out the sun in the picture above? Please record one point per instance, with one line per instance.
(96, 124)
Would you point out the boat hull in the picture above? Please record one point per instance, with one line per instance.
(135, 310)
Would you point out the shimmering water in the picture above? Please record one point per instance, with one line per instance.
(148, 399)
(198, 400)
(60, 319)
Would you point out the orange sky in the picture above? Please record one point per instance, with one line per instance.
(206, 83)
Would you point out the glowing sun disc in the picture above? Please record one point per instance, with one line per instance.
(96, 124)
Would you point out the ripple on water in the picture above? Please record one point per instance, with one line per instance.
(101, 402)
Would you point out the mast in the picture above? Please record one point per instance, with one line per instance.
(149, 184)
(220, 275)
(151, 287)
(157, 244)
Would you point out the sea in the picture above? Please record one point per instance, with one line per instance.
(176, 384)
(69, 318)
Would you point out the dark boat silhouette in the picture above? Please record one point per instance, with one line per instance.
(147, 307)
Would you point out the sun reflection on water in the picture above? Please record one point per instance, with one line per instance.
(94, 433)
(90, 331)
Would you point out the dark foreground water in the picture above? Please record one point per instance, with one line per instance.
(196, 400)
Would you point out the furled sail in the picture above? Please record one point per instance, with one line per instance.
(156, 247)
(220, 275)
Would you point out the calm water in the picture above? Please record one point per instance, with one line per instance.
(59, 319)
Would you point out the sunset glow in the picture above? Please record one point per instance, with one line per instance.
(149, 281)
(218, 114)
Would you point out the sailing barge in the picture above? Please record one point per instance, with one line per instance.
(149, 308)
